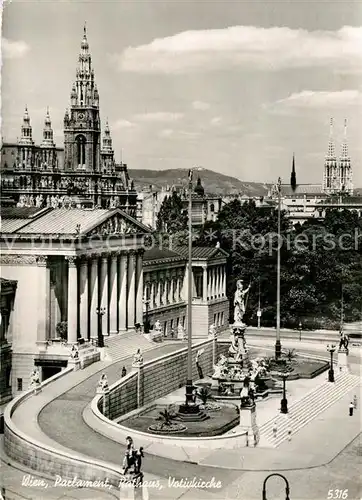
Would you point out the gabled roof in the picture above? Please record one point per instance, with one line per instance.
(78, 222)
(312, 189)
(13, 218)
(165, 255)
(201, 253)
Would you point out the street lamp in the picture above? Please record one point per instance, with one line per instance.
(278, 345)
(284, 401)
(147, 324)
(331, 349)
(258, 313)
(300, 331)
(100, 311)
(189, 406)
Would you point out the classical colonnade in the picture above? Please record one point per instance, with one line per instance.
(163, 288)
(112, 280)
(214, 282)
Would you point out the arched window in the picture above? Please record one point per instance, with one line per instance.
(212, 208)
(80, 149)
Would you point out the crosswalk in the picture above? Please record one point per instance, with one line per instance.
(306, 409)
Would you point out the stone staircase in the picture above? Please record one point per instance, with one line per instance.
(121, 346)
(306, 409)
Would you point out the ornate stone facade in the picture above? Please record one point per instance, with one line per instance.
(84, 173)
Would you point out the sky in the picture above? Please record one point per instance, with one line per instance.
(229, 85)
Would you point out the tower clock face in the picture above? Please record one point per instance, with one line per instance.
(81, 116)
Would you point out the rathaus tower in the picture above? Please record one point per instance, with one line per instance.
(82, 127)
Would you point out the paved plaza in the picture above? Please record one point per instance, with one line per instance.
(323, 455)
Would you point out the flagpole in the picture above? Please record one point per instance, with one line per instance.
(278, 346)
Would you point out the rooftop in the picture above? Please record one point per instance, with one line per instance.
(201, 253)
(164, 254)
(303, 189)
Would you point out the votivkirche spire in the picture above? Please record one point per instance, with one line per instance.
(293, 176)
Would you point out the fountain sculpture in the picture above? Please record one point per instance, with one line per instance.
(235, 373)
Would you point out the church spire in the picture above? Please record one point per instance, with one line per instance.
(107, 140)
(47, 131)
(344, 153)
(26, 129)
(331, 145)
(293, 176)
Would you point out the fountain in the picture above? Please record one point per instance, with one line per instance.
(235, 374)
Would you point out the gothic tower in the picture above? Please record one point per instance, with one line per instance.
(345, 168)
(107, 153)
(47, 147)
(330, 177)
(26, 143)
(81, 123)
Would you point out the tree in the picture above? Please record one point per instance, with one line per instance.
(172, 217)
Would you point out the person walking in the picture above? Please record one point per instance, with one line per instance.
(289, 434)
(124, 372)
(355, 402)
(275, 430)
(351, 408)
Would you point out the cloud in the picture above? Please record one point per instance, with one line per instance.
(12, 49)
(159, 116)
(319, 99)
(122, 124)
(200, 105)
(254, 47)
(216, 120)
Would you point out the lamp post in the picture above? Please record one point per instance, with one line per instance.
(284, 401)
(278, 346)
(300, 331)
(147, 324)
(100, 311)
(331, 349)
(258, 313)
(189, 406)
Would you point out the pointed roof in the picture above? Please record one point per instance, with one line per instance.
(331, 154)
(344, 153)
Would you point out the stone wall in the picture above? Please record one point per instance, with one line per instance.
(157, 378)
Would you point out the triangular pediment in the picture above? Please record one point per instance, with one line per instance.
(116, 222)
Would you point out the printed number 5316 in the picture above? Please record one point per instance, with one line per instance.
(337, 494)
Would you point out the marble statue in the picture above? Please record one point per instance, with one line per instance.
(239, 301)
(180, 332)
(344, 341)
(212, 332)
(157, 327)
(35, 381)
(137, 358)
(74, 353)
(235, 350)
(103, 382)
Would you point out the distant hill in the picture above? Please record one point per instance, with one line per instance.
(213, 182)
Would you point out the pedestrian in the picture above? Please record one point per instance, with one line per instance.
(172, 333)
(275, 430)
(355, 402)
(124, 372)
(351, 408)
(289, 434)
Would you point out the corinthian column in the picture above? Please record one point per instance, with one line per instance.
(122, 292)
(43, 289)
(72, 300)
(83, 297)
(204, 283)
(139, 289)
(113, 294)
(131, 309)
(94, 297)
(103, 290)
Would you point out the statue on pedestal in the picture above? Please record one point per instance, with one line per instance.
(235, 351)
(103, 383)
(157, 327)
(212, 332)
(35, 381)
(239, 302)
(74, 353)
(137, 358)
(180, 332)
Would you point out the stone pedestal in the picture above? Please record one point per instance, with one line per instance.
(342, 361)
(75, 362)
(248, 423)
